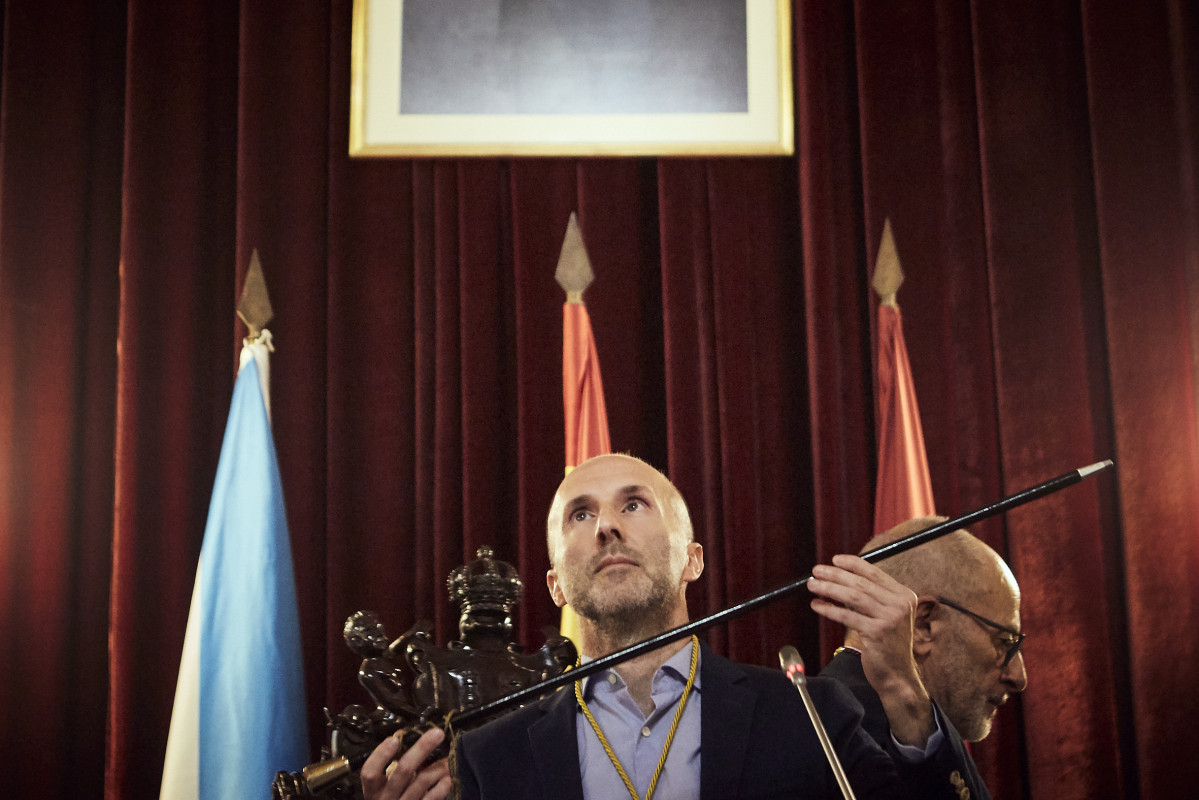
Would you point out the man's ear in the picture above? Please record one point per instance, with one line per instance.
(551, 581)
(695, 562)
(922, 628)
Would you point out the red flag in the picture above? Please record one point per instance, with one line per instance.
(582, 389)
(585, 414)
(904, 488)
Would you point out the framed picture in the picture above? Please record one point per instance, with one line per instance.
(571, 77)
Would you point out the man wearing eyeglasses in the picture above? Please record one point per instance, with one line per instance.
(966, 638)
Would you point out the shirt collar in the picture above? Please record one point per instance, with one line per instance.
(678, 667)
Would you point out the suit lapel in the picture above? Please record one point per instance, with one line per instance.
(555, 748)
(726, 718)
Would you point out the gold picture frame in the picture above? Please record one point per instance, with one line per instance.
(762, 123)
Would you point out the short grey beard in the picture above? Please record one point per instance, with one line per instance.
(631, 624)
(977, 731)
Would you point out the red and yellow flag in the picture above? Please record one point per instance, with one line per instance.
(582, 388)
(904, 488)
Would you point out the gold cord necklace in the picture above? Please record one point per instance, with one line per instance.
(674, 726)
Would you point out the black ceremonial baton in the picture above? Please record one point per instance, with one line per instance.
(528, 694)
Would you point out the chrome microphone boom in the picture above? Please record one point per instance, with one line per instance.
(793, 665)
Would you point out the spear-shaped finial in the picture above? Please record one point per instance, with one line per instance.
(574, 273)
(888, 275)
(255, 306)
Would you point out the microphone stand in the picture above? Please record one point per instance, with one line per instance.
(793, 665)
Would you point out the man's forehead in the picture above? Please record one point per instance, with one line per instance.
(608, 471)
(627, 490)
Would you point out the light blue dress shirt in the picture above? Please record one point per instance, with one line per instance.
(638, 740)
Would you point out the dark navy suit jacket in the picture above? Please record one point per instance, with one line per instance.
(755, 742)
(846, 668)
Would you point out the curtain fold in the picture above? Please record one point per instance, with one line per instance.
(60, 162)
(1039, 162)
(1145, 178)
(176, 356)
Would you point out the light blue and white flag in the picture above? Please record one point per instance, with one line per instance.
(239, 706)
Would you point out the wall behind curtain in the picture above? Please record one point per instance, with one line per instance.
(1038, 163)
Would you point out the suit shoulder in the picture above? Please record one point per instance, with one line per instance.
(501, 728)
(830, 696)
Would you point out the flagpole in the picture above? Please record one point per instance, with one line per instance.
(241, 669)
(585, 415)
(903, 486)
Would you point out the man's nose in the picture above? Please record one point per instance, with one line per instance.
(607, 526)
(1013, 674)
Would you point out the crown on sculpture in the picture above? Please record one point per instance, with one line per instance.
(485, 584)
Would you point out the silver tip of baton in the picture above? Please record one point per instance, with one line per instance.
(1099, 466)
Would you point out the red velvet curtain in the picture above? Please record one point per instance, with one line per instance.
(1039, 161)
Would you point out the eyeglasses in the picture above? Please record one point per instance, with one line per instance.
(1012, 640)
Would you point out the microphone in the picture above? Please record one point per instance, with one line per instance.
(793, 666)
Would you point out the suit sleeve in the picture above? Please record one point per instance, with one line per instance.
(875, 773)
(466, 785)
(949, 770)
